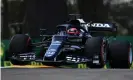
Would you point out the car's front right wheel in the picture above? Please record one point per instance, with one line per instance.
(20, 43)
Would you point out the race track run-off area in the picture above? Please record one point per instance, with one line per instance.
(67, 74)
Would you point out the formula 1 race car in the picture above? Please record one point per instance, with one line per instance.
(73, 43)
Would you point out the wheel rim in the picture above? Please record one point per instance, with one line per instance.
(103, 53)
(130, 56)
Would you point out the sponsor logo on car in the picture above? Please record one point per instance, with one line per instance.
(99, 25)
(50, 53)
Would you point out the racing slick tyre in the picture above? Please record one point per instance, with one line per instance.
(120, 54)
(95, 49)
(19, 43)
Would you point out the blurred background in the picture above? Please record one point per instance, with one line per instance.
(29, 16)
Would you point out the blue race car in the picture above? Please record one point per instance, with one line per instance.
(73, 43)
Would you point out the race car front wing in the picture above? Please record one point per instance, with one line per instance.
(70, 59)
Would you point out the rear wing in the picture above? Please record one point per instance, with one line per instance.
(96, 27)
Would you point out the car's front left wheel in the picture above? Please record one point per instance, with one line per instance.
(95, 49)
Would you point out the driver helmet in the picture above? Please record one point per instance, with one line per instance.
(73, 31)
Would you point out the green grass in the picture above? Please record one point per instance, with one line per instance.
(132, 66)
(81, 66)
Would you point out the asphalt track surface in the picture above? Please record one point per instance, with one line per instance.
(66, 74)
